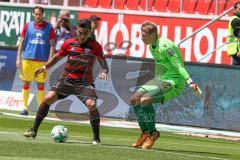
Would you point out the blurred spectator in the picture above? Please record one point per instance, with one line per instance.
(32, 1)
(56, 2)
(233, 35)
(74, 3)
(38, 1)
(63, 30)
(48, 2)
(94, 25)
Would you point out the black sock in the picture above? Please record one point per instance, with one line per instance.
(95, 123)
(41, 114)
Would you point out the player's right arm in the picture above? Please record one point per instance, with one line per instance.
(19, 54)
(20, 47)
(102, 61)
(52, 61)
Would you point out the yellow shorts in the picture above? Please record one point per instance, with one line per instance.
(28, 69)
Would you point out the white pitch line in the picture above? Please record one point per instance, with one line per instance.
(164, 127)
(45, 135)
(124, 139)
(152, 150)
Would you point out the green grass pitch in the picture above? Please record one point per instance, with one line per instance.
(116, 144)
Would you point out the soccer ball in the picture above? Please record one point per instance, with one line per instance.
(59, 133)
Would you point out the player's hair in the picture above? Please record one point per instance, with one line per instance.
(38, 7)
(149, 27)
(236, 4)
(84, 23)
(64, 12)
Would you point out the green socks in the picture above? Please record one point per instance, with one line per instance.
(145, 117)
(150, 118)
(140, 117)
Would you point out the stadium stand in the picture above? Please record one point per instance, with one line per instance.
(142, 5)
(105, 4)
(203, 6)
(160, 5)
(174, 6)
(73, 3)
(189, 6)
(132, 4)
(119, 4)
(22, 1)
(150, 4)
(44, 2)
(56, 2)
(90, 3)
(229, 4)
(212, 10)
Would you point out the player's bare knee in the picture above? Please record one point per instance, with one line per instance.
(145, 101)
(135, 99)
(91, 104)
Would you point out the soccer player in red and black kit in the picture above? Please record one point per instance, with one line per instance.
(77, 78)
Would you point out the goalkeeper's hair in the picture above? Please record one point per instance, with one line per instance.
(149, 27)
(84, 23)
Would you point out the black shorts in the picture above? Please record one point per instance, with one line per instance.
(66, 87)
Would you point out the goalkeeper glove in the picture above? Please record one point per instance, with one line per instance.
(194, 87)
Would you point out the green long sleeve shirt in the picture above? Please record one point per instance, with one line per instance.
(169, 62)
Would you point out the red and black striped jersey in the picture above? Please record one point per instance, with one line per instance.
(81, 58)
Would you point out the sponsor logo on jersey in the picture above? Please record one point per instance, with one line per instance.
(170, 51)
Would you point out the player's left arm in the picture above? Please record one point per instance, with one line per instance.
(105, 70)
(177, 61)
(103, 63)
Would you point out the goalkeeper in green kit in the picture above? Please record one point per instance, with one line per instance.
(168, 84)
